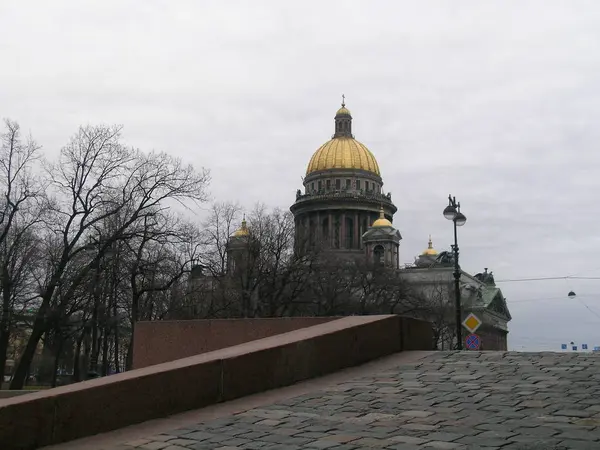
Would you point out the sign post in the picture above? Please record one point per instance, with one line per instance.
(473, 342)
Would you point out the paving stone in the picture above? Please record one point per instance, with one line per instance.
(419, 427)
(543, 432)
(495, 434)
(416, 413)
(322, 443)
(441, 445)
(401, 439)
(156, 445)
(182, 442)
(138, 442)
(446, 437)
(403, 447)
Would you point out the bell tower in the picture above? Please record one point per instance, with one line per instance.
(382, 243)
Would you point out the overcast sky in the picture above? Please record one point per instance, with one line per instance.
(497, 103)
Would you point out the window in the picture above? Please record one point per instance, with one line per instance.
(320, 185)
(312, 186)
(349, 233)
(325, 231)
(338, 183)
(378, 255)
(348, 184)
(358, 184)
(328, 184)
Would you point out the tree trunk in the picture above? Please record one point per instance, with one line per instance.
(4, 337)
(22, 368)
(116, 337)
(134, 319)
(77, 358)
(56, 364)
(95, 335)
(5, 323)
(105, 336)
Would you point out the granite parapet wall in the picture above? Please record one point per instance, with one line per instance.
(95, 406)
(157, 342)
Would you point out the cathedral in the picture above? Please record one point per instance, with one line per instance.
(343, 210)
(343, 207)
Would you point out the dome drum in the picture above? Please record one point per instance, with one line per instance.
(341, 173)
(349, 201)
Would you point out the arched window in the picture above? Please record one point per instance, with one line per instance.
(378, 254)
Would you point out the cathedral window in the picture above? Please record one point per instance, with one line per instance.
(312, 186)
(338, 184)
(349, 233)
(348, 183)
(358, 185)
(378, 254)
(336, 232)
(320, 185)
(325, 230)
(328, 185)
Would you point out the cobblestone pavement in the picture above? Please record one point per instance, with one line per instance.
(446, 401)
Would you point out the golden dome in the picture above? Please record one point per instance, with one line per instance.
(382, 221)
(243, 231)
(430, 251)
(343, 153)
(343, 111)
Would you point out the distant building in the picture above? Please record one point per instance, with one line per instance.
(344, 210)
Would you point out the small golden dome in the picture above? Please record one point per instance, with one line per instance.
(382, 221)
(243, 231)
(343, 153)
(430, 251)
(343, 111)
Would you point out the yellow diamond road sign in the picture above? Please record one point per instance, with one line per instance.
(472, 323)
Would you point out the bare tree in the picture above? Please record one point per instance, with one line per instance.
(433, 301)
(21, 210)
(159, 258)
(95, 179)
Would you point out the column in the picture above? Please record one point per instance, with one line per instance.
(330, 230)
(343, 230)
(318, 230)
(357, 234)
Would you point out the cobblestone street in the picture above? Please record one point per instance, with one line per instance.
(445, 401)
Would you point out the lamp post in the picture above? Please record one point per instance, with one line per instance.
(452, 212)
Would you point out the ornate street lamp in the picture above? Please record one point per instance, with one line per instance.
(452, 212)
